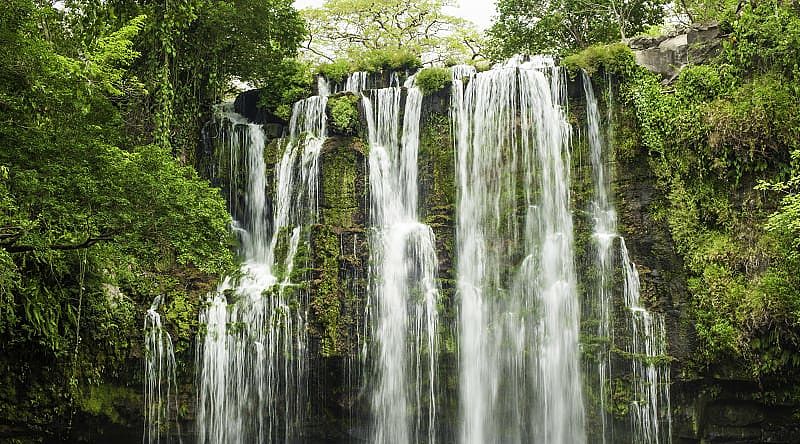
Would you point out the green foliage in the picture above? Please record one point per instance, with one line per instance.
(93, 224)
(288, 82)
(712, 135)
(343, 110)
(377, 60)
(433, 79)
(766, 39)
(337, 70)
(372, 61)
(558, 27)
(615, 59)
(349, 28)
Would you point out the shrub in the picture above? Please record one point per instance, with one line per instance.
(433, 79)
(378, 60)
(335, 71)
(615, 58)
(344, 113)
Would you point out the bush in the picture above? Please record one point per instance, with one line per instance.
(433, 79)
(386, 60)
(335, 71)
(615, 58)
(343, 111)
(288, 82)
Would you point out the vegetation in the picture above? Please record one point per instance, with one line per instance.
(101, 105)
(433, 79)
(351, 28)
(344, 114)
(563, 26)
(723, 142)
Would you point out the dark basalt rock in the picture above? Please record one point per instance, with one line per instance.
(246, 104)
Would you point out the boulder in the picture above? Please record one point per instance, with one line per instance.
(667, 55)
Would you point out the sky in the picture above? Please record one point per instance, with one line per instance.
(479, 12)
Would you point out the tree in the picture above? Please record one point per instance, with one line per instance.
(190, 51)
(83, 210)
(560, 26)
(347, 28)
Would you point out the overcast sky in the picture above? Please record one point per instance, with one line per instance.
(479, 11)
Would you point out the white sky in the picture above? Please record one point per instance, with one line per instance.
(479, 12)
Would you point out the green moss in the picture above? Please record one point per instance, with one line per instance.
(430, 80)
(343, 110)
(110, 401)
(339, 204)
(328, 292)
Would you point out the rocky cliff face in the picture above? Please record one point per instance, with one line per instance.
(707, 405)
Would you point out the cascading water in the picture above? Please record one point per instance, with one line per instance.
(519, 311)
(356, 82)
(160, 388)
(650, 372)
(650, 381)
(252, 361)
(603, 235)
(403, 294)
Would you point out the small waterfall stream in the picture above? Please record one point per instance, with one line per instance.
(650, 380)
(160, 387)
(403, 292)
(252, 361)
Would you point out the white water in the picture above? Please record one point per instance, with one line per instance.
(403, 291)
(519, 311)
(253, 358)
(650, 381)
(603, 235)
(160, 388)
(650, 409)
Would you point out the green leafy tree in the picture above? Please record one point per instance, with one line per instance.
(92, 226)
(191, 50)
(561, 26)
(348, 28)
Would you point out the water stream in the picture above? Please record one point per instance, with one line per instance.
(519, 309)
(252, 360)
(650, 378)
(160, 387)
(403, 293)
(517, 377)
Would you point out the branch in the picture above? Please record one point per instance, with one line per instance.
(85, 244)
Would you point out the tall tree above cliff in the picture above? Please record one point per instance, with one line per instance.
(190, 51)
(347, 27)
(558, 26)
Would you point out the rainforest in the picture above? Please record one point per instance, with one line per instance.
(395, 222)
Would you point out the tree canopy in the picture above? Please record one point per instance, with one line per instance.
(101, 105)
(342, 28)
(561, 26)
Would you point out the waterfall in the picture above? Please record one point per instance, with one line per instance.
(650, 377)
(604, 232)
(356, 82)
(403, 290)
(519, 312)
(160, 388)
(252, 359)
(650, 381)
